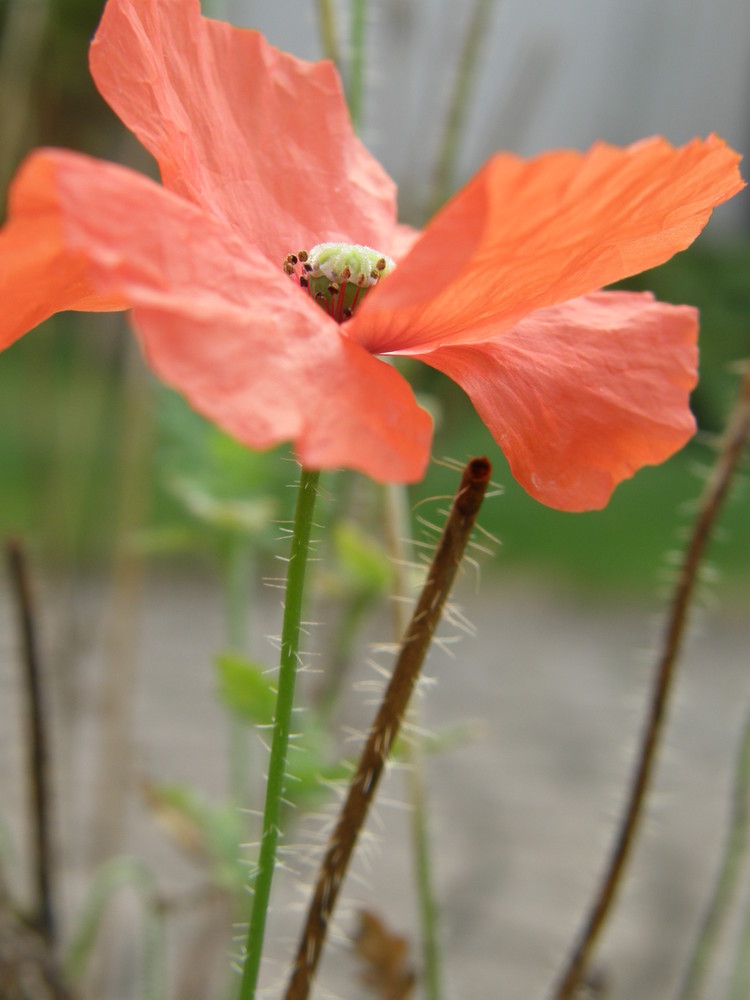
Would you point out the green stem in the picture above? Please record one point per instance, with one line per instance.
(397, 530)
(290, 634)
(357, 62)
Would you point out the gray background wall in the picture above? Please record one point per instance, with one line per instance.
(553, 73)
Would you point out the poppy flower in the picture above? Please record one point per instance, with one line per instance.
(501, 291)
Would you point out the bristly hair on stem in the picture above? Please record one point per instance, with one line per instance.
(397, 530)
(385, 728)
(37, 736)
(714, 494)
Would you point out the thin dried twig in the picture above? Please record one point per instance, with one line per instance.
(37, 736)
(388, 720)
(714, 494)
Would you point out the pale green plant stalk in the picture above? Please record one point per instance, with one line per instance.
(289, 660)
(727, 882)
(397, 533)
(396, 530)
(116, 874)
(114, 752)
(237, 566)
(739, 984)
(455, 121)
(20, 43)
(327, 28)
(357, 63)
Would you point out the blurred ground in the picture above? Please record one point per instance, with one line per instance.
(522, 813)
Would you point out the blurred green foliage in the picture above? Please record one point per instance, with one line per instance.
(59, 456)
(716, 278)
(65, 424)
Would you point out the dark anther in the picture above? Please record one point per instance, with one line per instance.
(346, 273)
(302, 255)
(381, 264)
(308, 267)
(333, 289)
(320, 297)
(347, 314)
(303, 282)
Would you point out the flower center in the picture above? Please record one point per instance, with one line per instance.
(338, 275)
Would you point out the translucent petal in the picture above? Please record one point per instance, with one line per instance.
(527, 234)
(579, 396)
(248, 132)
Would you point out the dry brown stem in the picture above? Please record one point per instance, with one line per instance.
(388, 721)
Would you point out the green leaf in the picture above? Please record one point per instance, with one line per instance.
(212, 832)
(246, 688)
(363, 569)
(247, 517)
(311, 763)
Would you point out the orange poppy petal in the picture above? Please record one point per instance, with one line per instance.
(339, 405)
(250, 133)
(581, 395)
(218, 322)
(39, 276)
(527, 234)
(91, 214)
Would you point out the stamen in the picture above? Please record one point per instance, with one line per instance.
(338, 275)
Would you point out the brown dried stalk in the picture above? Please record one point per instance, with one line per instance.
(713, 496)
(388, 721)
(37, 736)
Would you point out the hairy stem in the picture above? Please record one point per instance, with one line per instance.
(397, 527)
(714, 494)
(290, 634)
(385, 728)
